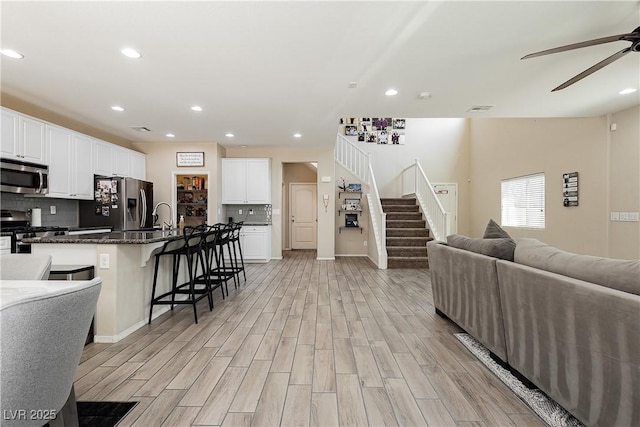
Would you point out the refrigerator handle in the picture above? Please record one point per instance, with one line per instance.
(143, 213)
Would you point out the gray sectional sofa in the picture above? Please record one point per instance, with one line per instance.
(568, 323)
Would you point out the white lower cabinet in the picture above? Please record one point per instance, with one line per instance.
(256, 243)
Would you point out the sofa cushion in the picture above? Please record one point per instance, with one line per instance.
(498, 248)
(620, 274)
(494, 231)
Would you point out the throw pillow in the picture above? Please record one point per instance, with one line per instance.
(501, 248)
(494, 231)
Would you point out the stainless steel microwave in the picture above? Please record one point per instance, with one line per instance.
(24, 177)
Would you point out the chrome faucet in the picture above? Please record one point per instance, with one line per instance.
(155, 215)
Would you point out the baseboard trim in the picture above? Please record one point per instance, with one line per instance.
(110, 339)
(352, 255)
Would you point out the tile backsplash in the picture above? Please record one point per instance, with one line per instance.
(66, 210)
(261, 213)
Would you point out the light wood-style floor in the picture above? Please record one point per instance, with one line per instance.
(303, 342)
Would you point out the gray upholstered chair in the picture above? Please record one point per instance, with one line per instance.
(43, 327)
(25, 266)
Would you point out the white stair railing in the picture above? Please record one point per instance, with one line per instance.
(378, 220)
(358, 162)
(415, 181)
(352, 158)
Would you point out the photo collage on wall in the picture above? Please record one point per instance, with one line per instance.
(375, 130)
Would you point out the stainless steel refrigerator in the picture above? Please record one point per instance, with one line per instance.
(120, 203)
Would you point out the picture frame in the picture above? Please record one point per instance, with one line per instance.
(351, 130)
(351, 220)
(354, 188)
(399, 123)
(190, 159)
(352, 204)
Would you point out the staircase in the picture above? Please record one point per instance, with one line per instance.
(407, 234)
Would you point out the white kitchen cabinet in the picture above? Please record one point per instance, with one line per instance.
(137, 165)
(23, 138)
(10, 134)
(246, 181)
(256, 243)
(82, 177)
(70, 171)
(114, 160)
(120, 161)
(102, 158)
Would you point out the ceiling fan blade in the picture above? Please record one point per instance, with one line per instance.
(594, 68)
(579, 45)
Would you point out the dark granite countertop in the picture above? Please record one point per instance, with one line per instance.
(115, 237)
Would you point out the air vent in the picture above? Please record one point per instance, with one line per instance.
(479, 108)
(140, 128)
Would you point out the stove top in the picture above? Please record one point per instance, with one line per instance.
(23, 232)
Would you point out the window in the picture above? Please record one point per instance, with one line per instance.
(523, 201)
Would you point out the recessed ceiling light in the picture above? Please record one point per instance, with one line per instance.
(353, 85)
(391, 92)
(424, 95)
(170, 135)
(131, 53)
(11, 53)
(627, 91)
(196, 108)
(297, 135)
(229, 135)
(117, 108)
(243, 146)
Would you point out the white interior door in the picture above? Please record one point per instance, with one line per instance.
(303, 209)
(448, 196)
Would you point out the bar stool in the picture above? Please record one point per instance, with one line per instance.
(208, 262)
(222, 270)
(235, 242)
(189, 247)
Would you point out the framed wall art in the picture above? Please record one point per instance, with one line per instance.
(190, 159)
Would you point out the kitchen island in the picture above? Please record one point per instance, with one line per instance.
(124, 261)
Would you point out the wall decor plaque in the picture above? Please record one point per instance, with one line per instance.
(190, 159)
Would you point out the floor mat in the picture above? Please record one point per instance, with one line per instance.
(546, 408)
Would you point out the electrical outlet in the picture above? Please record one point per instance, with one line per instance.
(239, 211)
(53, 210)
(104, 261)
(365, 243)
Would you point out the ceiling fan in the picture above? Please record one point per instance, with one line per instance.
(633, 37)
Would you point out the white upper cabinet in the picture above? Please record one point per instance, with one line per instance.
(137, 165)
(120, 161)
(102, 158)
(59, 147)
(10, 132)
(246, 181)
(23, 138)
(114, 160)
(82, 179)
(70, 171)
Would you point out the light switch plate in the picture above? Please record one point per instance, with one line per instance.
(624, 216)
(615, 216)
(634, 216)
(104, 261)
(53, 210)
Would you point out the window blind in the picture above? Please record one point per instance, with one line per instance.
(523, 201)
